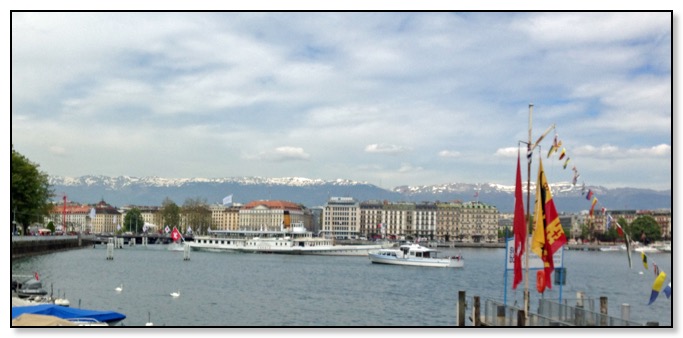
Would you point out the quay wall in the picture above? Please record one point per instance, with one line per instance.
(23, 246)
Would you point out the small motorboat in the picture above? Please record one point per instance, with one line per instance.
(29, 288)
(415, 255)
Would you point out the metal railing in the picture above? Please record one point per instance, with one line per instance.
(550, 313)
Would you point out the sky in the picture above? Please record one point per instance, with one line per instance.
(388, 98)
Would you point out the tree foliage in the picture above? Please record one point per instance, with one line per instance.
(30, 191)
(133, 221)
(170, 214)
(197, 215)
(645, 229)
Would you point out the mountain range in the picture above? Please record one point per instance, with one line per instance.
(151, 191)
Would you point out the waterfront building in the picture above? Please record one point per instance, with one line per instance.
(398, 219)
(268, 215)
(571, 224)
(424, 221)
(152, 218)
(472, 222)
(225, 217)
(75, 217)
(341, 218)
(447, 222)
(316, 219)
(478, 222)
(107, 218)
(371, 219)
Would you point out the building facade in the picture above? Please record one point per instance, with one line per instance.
(341, 218)
(269, 215)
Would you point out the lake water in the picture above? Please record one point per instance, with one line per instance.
(257, 290)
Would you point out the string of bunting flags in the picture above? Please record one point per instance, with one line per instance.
(590, 195)
(660, 276)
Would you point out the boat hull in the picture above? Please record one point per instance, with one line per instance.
(334, 250)
(426, 262)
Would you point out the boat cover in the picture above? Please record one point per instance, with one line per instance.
(28, 319)
(67, 312)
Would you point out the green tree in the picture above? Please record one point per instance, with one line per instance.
(51, 226)
(585, 231)
(197, 214)
(30, 192)
(133, 221)
(170, 214)
(645, 229)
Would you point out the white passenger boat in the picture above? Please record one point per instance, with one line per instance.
(416, 255)
(613, 248)
(294, 239)
(646, 248)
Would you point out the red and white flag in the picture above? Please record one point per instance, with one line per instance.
(175, 235)
(35, 274)
(519, 227)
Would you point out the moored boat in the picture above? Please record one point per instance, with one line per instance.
(415, 255)
(646, 248)
(291, 239)
(613, 248)
(77, 316)
(27, 286)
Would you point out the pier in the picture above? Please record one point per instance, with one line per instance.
(35, 245)
(23, 246)
(579, 312)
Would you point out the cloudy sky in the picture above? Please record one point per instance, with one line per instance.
(389, 98)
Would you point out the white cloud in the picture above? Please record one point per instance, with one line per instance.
(449, 153)
(391, 149)
(508, 152)
(57, 150)
(282, 154)
(613, 152)
(409, 168)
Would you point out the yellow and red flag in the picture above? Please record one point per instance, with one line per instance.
(548, 234)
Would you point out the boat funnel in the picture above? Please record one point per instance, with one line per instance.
(287, 220)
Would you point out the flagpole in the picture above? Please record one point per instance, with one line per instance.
(530, 149)
(528, 215)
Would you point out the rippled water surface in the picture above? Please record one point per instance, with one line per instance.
(224, 289)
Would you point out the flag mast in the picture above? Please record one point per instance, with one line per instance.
(528, 216)
(530, 149)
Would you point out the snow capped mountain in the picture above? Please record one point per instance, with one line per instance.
(127, 190)
(558, 189)
(153, 181)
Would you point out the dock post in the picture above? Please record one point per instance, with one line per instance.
(461, 308)
(476, 310)
(186, 252)
(500, 312)
(110, 251)
(521, 318)
(578, 311)
(625, 312)
(603, 311)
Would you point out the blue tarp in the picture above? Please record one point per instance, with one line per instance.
(67, 312)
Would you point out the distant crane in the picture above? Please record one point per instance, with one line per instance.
(64, 213)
